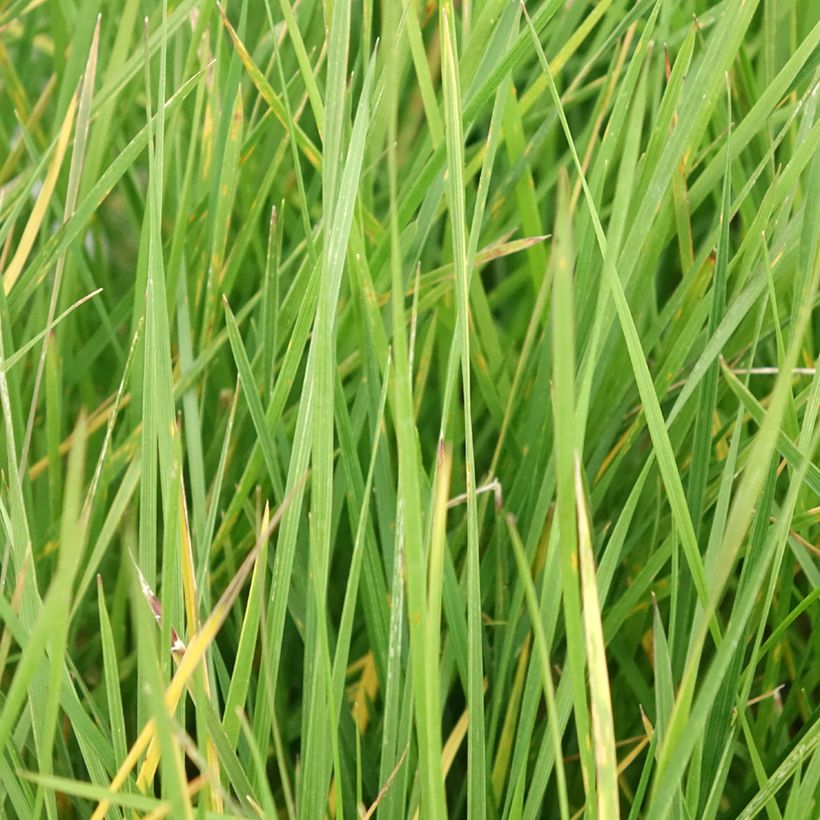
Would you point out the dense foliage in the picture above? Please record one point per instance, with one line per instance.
(409, 408)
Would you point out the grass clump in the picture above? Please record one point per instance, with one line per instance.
(409, 409)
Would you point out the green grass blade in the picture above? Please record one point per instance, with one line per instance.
(477, 765)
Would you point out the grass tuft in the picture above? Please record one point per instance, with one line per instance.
(431, 390)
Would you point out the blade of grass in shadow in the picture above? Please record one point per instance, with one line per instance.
(294, 147)
(284, 557)
(626, 118)
(506, 737)
(341, 656)
(743, 608)
(288, 369)
(66, 234)
(699, 96)
(126, 488)
(525, 194)
(785, 446)
(651, 407)
(425, 80)
(683, 730)
(374, 590)
(758, 543)
(702, 434)
(541, 647)
(85, 96)
(722, 721)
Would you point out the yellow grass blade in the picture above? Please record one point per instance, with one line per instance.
(38, 213)
(189, 662)
(603, 732)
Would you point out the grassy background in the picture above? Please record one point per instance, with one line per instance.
(409, 408)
